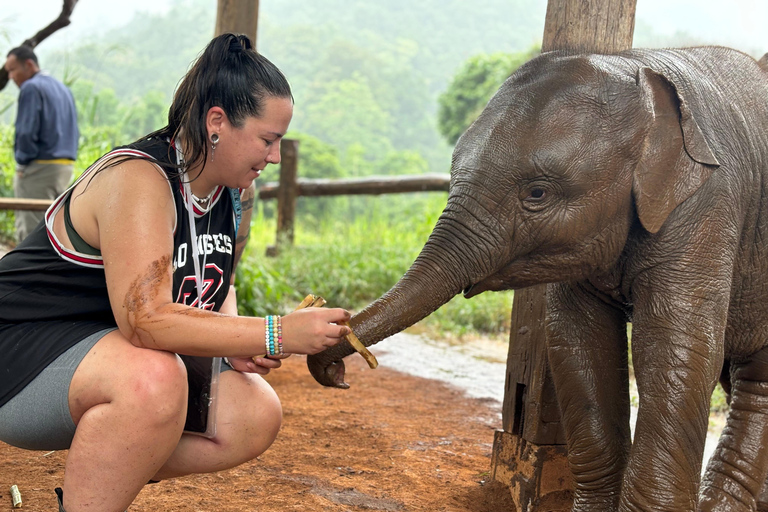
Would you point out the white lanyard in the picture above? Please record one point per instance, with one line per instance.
(193, 232)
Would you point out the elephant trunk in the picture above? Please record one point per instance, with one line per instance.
(438, 274)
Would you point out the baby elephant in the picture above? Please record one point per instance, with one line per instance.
(636, 184)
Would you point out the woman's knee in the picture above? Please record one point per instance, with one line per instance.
(271, 418)
(159, 385)
(260, 423)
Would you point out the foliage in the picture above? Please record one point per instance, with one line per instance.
(365, 77)
(351, 263)
(349, 103)
(472, 87)
(7, 171)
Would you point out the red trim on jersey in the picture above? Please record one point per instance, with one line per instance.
(88, 260)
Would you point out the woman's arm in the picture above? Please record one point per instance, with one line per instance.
(260, 365)
(134, 211)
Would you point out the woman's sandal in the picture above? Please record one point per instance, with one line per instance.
(60, 497)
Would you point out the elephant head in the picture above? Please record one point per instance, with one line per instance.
(569, 156)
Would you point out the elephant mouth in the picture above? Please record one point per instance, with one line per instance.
(494, 282)
(472, 290)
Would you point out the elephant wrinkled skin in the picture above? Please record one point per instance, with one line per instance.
(636, 185)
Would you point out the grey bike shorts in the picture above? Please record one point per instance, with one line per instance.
(38, 417)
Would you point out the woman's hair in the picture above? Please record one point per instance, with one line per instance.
(229, 74)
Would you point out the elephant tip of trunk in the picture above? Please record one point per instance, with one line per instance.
(330, 375)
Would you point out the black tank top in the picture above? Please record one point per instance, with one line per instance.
(52, 297)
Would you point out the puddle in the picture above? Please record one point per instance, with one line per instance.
(478, 368)
(479, 373)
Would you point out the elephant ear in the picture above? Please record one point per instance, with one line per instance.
(676, 159)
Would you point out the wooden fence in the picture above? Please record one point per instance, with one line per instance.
(290, 187)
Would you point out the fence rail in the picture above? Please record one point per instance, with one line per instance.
(13, 203)
(290, 187)
(374, 185)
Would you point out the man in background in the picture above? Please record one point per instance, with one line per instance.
(46, 135)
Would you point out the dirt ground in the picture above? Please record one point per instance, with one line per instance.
(392, 442)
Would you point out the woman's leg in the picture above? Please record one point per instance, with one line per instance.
(129, 405)
(248, 417)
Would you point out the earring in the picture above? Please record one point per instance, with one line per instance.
(214, 141)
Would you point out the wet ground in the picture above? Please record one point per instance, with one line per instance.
(392, 442)
(478, 368)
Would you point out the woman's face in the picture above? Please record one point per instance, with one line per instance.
(243, 152)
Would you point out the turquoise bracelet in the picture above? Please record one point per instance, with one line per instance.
(273, 335)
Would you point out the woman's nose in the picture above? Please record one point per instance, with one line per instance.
(274, 154)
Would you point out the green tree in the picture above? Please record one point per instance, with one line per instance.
(345, 113)
(471, 88)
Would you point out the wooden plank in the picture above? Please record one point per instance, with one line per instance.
(373, 185)
(18, 203)
(538, 476)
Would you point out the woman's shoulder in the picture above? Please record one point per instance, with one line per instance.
(158, 149)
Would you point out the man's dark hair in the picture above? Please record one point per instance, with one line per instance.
(23, 54)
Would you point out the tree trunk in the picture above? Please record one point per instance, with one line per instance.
(62, 21)
(238, 17)
(529, 454)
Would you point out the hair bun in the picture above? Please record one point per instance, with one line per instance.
(239, 43)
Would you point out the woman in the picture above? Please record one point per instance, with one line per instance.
(130, 268)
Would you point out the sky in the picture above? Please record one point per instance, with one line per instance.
(738, 24)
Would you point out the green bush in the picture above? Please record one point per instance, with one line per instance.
(352, 262)
(7, 170)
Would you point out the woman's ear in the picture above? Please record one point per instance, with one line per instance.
(215, 120)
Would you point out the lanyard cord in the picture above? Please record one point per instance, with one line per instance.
(193, 233)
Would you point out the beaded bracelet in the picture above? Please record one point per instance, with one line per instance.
(273, 335)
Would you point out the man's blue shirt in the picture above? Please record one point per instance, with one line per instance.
(46, 123)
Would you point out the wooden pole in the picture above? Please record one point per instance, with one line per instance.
(286, 194)
(594, 26)
(239, 17)
(529, 454)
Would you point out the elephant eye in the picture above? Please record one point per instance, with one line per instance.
(534, 198)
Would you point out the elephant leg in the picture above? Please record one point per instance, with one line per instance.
(736, 475)
(587, 348)
(677, 352)
(762, 499)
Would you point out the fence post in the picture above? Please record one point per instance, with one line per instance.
(286, 194)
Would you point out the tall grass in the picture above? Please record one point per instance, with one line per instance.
(352, 262)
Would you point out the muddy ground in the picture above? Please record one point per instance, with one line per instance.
(393, 442)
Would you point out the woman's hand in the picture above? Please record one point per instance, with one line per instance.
(260, 365)
(312, 330)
